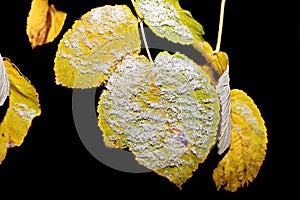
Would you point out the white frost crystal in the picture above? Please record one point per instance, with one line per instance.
(23, 111)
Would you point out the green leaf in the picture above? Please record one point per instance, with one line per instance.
(89, 51)
(167, 113)
(167, 19)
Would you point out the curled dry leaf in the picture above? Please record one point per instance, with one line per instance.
(44, 23)
(23, 107)
(4, 83)
(223, 90)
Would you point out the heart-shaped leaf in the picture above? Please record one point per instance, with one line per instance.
(167, 113)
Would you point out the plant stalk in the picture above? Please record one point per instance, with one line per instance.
(220, 26)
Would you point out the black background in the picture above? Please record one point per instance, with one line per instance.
(261, 41)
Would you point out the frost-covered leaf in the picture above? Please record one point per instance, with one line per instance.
(167, 19)
(4, 83)
(167, 113)
(223, 90)
(23, 107)
(44, 22)
(89, 51)
(248, 146)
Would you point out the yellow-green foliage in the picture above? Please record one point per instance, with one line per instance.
(168, 112)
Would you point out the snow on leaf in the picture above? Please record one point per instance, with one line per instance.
(248, 146)
(167, 113)
(23, 107)
(89, 51)
(223, 90)
(167, 19)
(4, 83)
(44, 23)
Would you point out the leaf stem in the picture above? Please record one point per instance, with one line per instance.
(132, 1)
(143, 35)
(220, 26)
(145, 41)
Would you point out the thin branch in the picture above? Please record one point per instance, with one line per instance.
(220, 26)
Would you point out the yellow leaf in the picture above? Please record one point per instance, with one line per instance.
(218, 61)
(167, 113)
(23, 107)
(44, 23)
(167, 19)
(248, 146)
(88, 52)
